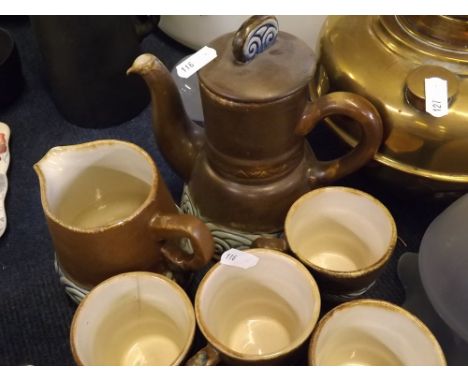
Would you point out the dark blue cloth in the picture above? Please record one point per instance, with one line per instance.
(35, 313)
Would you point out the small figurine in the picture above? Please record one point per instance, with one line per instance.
(3, 144)
(4, 162)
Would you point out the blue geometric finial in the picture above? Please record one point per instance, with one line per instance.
(254, 36)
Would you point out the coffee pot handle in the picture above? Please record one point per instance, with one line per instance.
(357, 108)
(174, 227)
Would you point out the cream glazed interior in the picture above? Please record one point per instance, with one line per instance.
(373, 332)
(62, 166)
(85, 188)
(136, 318)
(340, 229)
(260, 312)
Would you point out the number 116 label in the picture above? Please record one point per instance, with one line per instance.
(195, 62)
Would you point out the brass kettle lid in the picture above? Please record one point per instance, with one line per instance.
(258, 63)
(448, 32)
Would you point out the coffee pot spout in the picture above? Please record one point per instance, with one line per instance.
(178, 138)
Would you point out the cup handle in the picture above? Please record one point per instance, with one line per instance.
(276, 243)
(172, 227)
(207, 356)
(355, 107)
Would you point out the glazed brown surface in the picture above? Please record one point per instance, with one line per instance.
(145, 241)
(254, 161)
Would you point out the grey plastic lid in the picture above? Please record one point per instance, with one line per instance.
(443, 264)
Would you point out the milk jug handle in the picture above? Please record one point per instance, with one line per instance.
(355, 107)
(173, 228)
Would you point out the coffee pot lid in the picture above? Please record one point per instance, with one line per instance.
(258, 63)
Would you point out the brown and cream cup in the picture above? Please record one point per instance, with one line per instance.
(136, 318)
(343, 235)
(373, 333)
(256, 316)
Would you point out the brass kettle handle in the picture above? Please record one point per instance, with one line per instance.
(254, 36)
(355, 107)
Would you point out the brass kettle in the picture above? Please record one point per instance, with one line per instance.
(251, 160)
(386, 59)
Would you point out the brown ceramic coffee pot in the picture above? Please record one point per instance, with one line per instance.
(252, 161)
